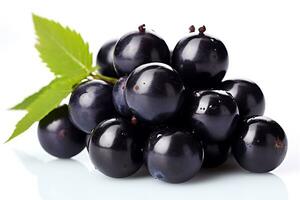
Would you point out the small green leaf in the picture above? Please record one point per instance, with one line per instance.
(68, 57)
(46, 101)
(62, 49)
(28, 100)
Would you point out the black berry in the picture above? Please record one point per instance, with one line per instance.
(119, 98)
(214, 114)
(105, 59)
(91, 103)
(173, 156)
(115, 149)
(154, 92)
(58, 136)
(201, 60)
(215, 154)
(137, 48)
(247, 95)
(261, 145)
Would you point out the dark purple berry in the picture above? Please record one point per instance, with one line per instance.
(119, 98)
(58, 136)
(201, 60)
(105, 59)
(247, 95)
(115, 148)
(154, 92)
(90, 104)
(260, 145)
(173, 156)
(137, 48)
(214, 114)
(215, 154)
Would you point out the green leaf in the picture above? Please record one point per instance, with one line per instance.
(62, 49)
(45, 102)
(68, 57)
(28, 100)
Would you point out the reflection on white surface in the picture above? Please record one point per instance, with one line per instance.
(69, 179)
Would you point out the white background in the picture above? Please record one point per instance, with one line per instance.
(263, 40)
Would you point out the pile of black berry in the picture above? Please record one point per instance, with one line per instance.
(168, 110)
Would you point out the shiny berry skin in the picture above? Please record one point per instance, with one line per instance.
(261, 145)
(115, 149)
(201, 60)
(214, 114)
(154, 92)
(173, 155)
(105, 59)
(137, 48)
(87, 140)
(215, 154)
(247, 95)
(58, 136)
(119, 98)
(91, 103)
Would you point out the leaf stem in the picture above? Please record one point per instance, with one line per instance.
(99, 76)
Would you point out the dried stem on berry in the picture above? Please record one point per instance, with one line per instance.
(142, 28)
(192, 29)
(202, 29)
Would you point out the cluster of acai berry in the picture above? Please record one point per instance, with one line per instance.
(168, 110)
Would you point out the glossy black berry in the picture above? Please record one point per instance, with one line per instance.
(261, 145)
(58, 136)
(154, 92)
(215, 154)
(247, 95)
(115, 149)
(200, 59)
(119, 98)
(214, 114)
(87, 141)
(182, 118)
(91, 103)
(137, 48)
(173, 156)
(105, 59)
